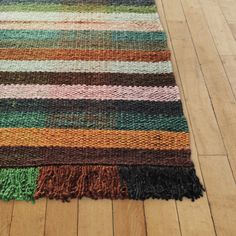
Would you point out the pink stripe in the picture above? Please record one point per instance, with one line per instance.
(133, 26)
(90, 92)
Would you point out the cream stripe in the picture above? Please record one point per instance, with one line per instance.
(86, 66)
(102, 25)
(71, 16)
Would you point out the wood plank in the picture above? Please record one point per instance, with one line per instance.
(208, 137)
(195, 218)
(95, 217)
(229, 63)
(28, 219)
(129, 218)
(219, 28)
(5, 217)
(232, 26)
(61, 218)
(222, 193)
(228, 8)
(226, 113)
(161, 218)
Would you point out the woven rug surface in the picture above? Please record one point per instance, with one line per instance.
(89, 105)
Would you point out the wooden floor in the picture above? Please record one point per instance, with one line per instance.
(202, 37)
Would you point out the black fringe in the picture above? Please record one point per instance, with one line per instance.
(145, 182)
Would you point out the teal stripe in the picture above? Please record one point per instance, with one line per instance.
(81, 35)
(83, 39)
(18, 183)
(89, 120)
(138, 36)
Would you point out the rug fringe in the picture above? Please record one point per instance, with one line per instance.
(66, 182)
(145, 182)
(18, 183)
(118, 182)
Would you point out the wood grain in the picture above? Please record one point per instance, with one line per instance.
(61, 218)
(95, 217)
(28, 218)
(129, 219)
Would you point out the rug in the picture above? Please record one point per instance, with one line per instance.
(89, 105)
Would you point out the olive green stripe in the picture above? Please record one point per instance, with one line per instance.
(91, 120)
(78, 8)
(90, 45)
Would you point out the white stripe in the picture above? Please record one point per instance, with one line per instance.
(69, 16)
(86, 66)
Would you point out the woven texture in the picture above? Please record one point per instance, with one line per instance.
(89, 106)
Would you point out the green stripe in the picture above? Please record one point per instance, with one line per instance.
(18, 183)
(83, 44)
(89, 120)
(77, 8)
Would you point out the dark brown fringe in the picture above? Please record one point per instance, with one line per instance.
(66, 182)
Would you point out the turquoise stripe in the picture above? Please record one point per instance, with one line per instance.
(139, 36)
(80, 35)
(30, 34)
(147, 41)
(90, 120)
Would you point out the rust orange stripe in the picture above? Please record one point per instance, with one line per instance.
(157, 140)
(73, 54)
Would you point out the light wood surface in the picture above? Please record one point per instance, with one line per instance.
(202, 37)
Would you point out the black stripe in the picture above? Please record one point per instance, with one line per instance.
(64, 105)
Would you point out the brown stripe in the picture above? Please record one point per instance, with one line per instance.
(66, 182)
(43, 156)
(73, 54)
(87, 78)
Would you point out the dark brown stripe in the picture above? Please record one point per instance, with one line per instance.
(43, 156)
(87, 78)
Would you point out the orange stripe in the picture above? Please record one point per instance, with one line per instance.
(161, 140)
(73, 54)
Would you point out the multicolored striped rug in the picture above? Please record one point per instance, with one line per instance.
(89, 106)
